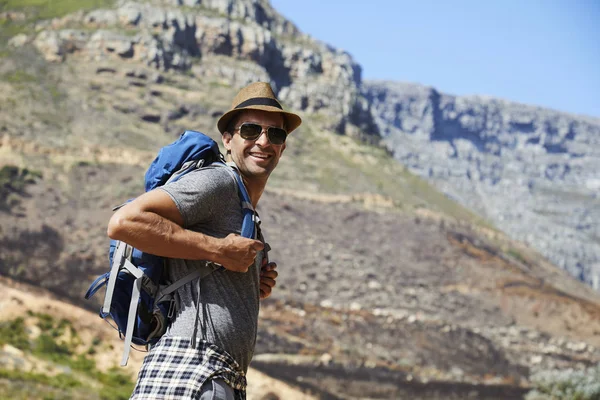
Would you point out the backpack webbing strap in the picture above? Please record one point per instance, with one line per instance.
(120, 261)
(195, 274)
(196, 319)
(118, 258)
(131, 316)
(198, 274)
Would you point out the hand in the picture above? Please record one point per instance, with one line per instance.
(237, 253)
(267, 278)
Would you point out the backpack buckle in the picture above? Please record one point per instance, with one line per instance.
(171, 311)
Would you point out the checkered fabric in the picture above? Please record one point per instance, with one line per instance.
(175, 370)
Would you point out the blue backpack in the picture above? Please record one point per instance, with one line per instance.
(139, 298)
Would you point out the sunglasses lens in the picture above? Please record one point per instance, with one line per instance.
(250, 131)
(277, 135)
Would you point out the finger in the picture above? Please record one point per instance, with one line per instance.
(257, 245)
(267, 281)
(272, 266)
(269, 267)
(264, 295)
(269, 274)
(265, 288)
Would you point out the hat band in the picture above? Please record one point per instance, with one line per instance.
(260, 101)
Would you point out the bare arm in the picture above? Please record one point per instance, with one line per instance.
(153, 224)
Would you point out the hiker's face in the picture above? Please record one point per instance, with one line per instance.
(255, 158)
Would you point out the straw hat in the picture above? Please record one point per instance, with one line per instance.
(258, 96)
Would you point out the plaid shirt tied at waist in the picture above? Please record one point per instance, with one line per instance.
(173, 369)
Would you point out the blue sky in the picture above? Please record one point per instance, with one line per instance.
(537, 52)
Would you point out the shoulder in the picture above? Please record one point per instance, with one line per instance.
(214, 178)
(217, 174)
(201, 193)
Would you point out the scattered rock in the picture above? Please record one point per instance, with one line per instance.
(18, 40)
(326, 303)
(110, 42)
(129, 14)
(101, 70)
(157, 78)
(177, 113)
(13, 16)
(150, 117)
(136, 73)
(537, 359)
(50, 45)
(325, 359)
(104, 18)
(374, 285)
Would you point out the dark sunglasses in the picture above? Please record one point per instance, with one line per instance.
(250, 131)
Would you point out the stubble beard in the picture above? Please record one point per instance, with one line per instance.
(255, 172)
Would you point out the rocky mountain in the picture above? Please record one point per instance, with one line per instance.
(382, 278)
(307, 75)
(531, 171)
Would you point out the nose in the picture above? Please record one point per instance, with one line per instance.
(263, 139)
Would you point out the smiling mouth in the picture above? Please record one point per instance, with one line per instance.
(261, 156)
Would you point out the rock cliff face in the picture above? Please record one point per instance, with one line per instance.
(533, 172)
(201, 36)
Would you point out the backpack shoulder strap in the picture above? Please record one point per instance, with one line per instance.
(235, 174)
(249, 222)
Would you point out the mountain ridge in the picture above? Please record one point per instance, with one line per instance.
(510, 162)
(482, 96)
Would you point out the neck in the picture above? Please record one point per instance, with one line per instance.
(255, 186)
(255, 189)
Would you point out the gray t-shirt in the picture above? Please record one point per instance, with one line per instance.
(209, 203)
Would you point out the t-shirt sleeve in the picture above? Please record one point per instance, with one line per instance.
(200, 195)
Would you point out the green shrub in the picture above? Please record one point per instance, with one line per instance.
(13, 181)
(566, 384)
(61, 381)
(47, 347)
(14, 333)
(45, 321)
(46, 9)
(18, 76)
(53, 345)
(83, 364)
(17, 178)
(117, 385)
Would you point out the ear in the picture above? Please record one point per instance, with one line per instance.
(226, 138)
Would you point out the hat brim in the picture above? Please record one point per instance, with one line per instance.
(292, 121)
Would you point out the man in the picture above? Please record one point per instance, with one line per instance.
(197, 220)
